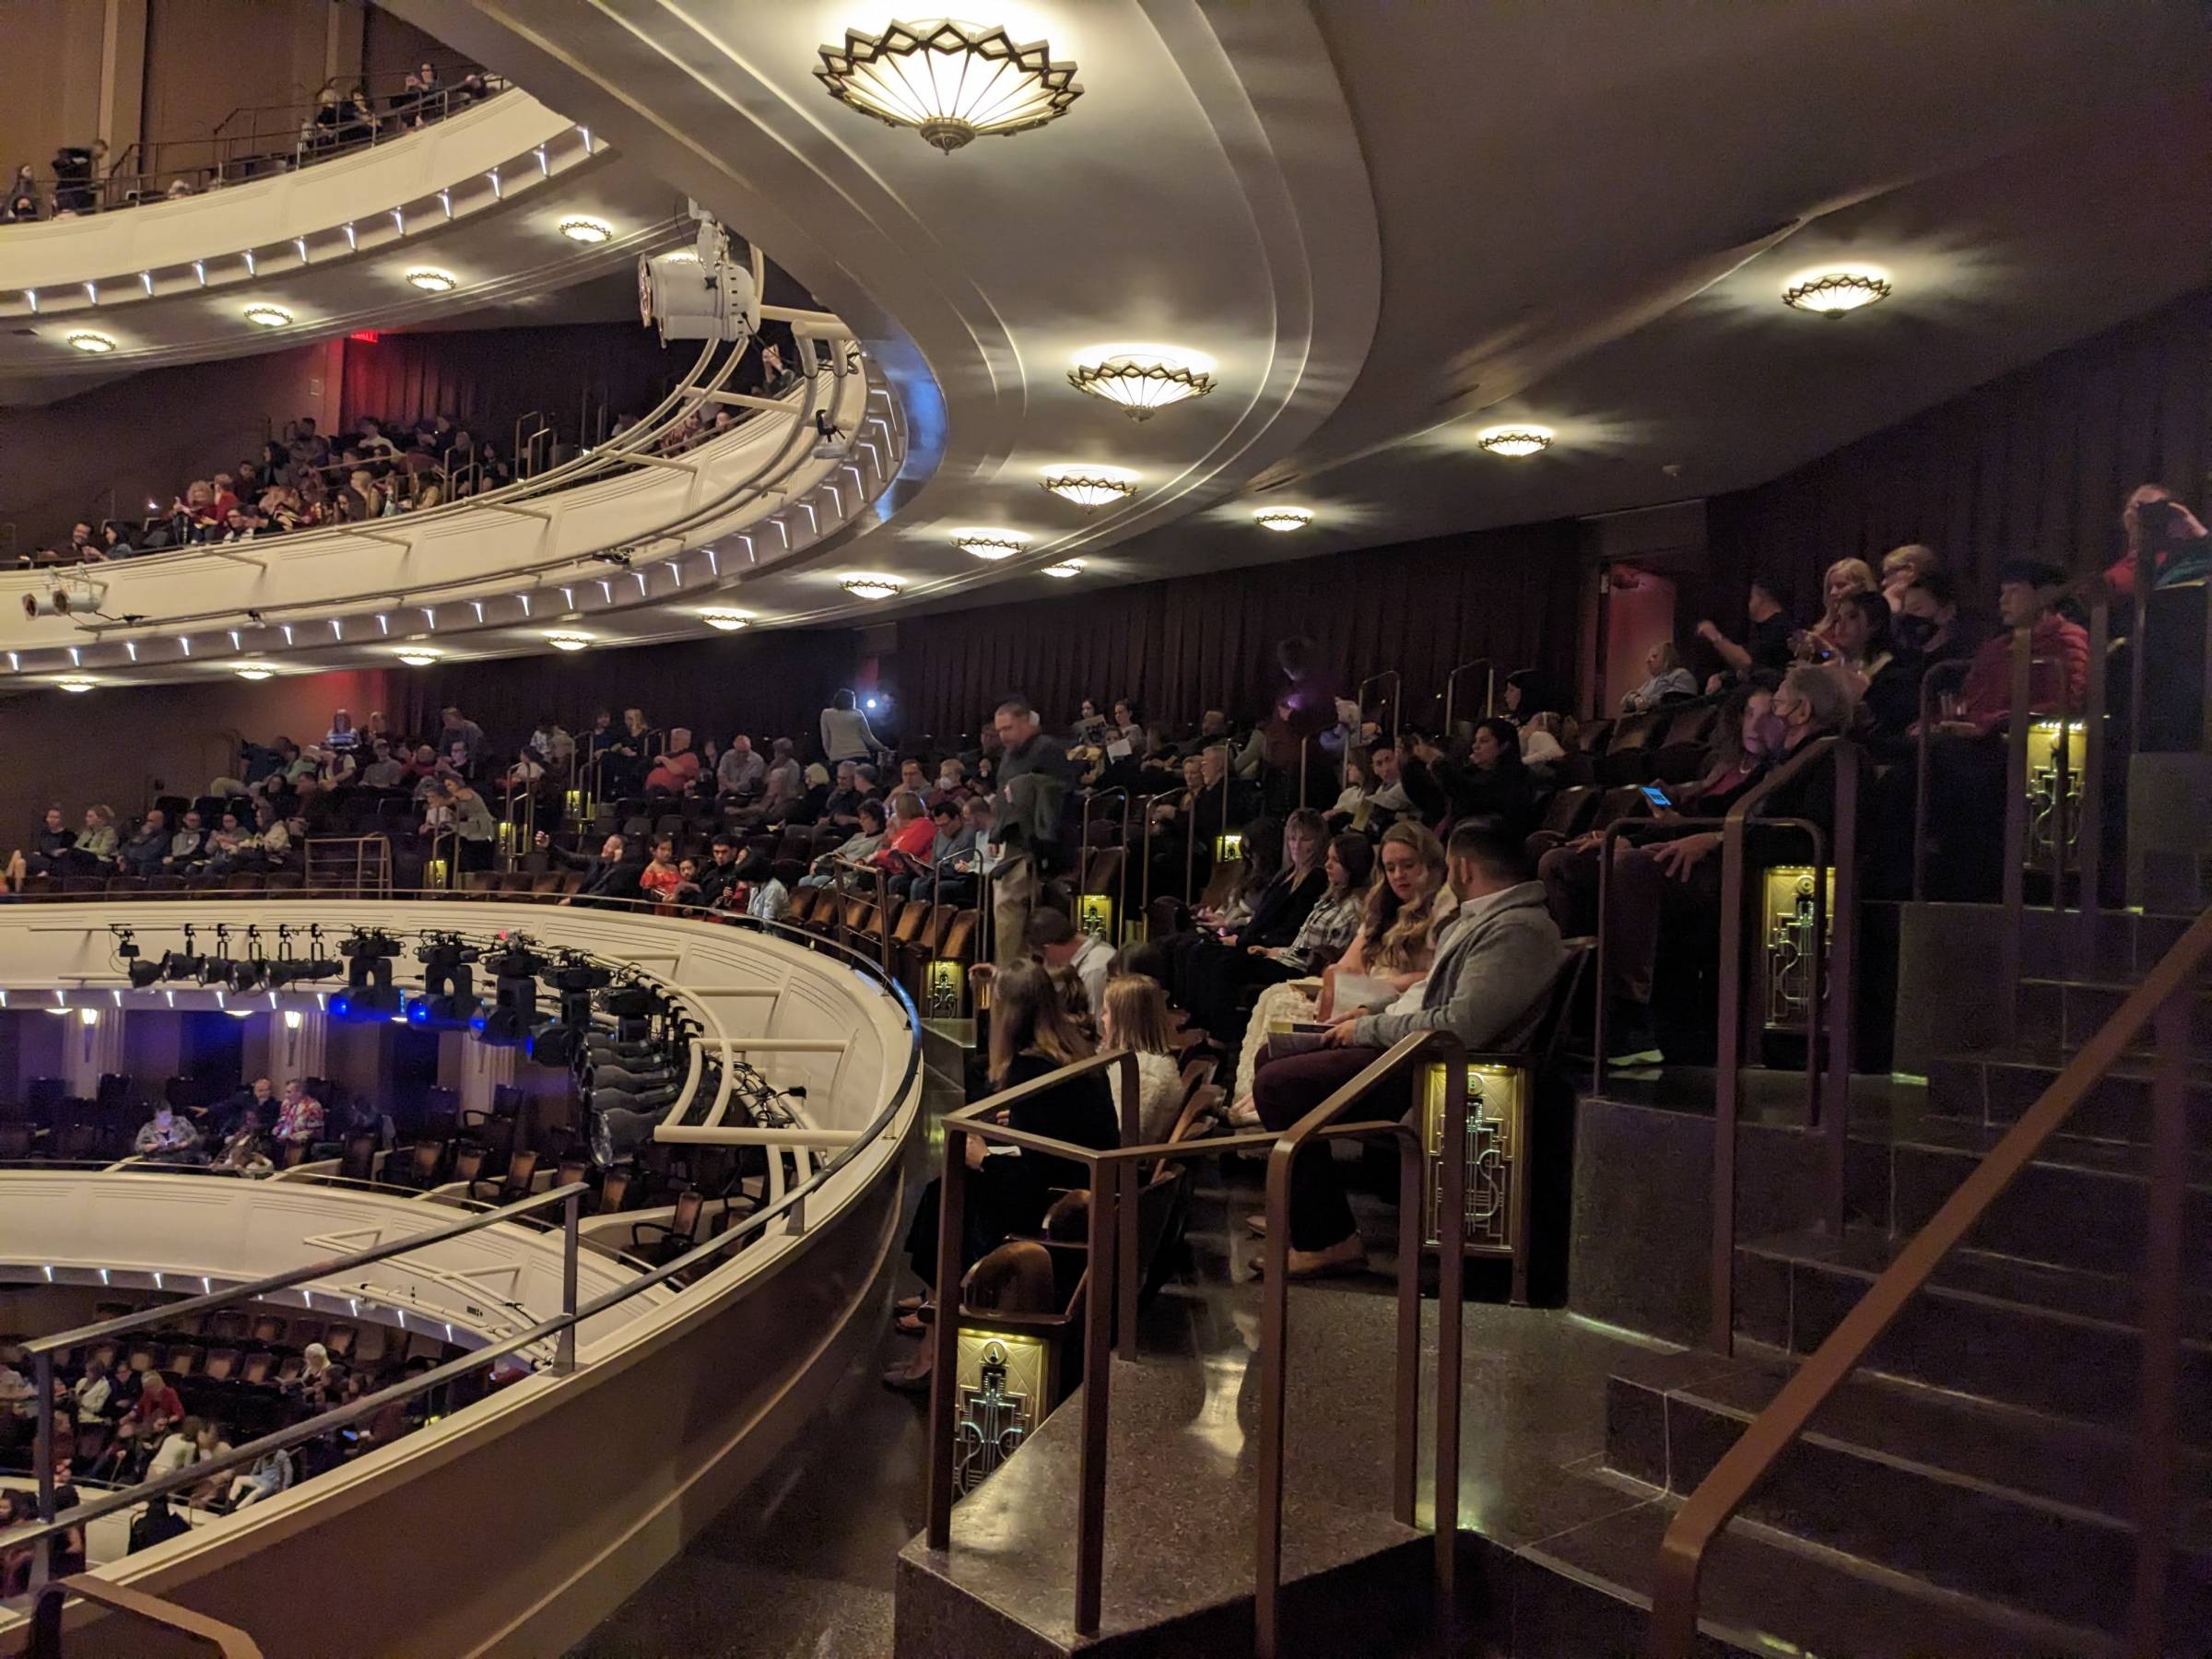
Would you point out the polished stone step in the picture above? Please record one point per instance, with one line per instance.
(1587, 1593)
(2069, 1012)
(2016, 1507)
(2046, 1338)
(2083, 1203)
(2128, 943)
(1996, 1087)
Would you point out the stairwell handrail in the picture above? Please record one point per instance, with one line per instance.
(227, 1640)
(2164, 997)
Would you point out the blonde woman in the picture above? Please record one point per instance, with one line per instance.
(1136, 1017)
(1844, 577)
(1395, 943)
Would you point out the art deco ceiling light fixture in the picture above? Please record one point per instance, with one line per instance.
(569, 642)
(432, 281)
(1284, 519)
(98, 345)
(951, 82)
(1142, 378)
(582, 230)
(1091, 486)
(1514, 441)
(990, 544)
(417, 656)
(253, 671)
(267, 316)
(871, 587)
(76, 685)
(726, 621)
(1834, 292)
(1066, 568)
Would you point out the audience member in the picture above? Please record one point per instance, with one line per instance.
(676, 769)
(1767, 647)
(1666, 680)
(165, 1135)
(1058, 943)
(741, 773)
(1132, 1015)
(1032, 781)
(845, 734)
(1492, 972)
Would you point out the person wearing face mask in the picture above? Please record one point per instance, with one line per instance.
(1671, 879)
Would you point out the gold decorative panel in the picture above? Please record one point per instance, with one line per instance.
(1786, 959)
(2044, 746)
(1094, 914)
(943, 982)
(1497, 1122)
(1002, 1382)
(1228, 845)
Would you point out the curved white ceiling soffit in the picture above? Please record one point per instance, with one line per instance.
(1207, 190)
(476, 204)
(631, 550)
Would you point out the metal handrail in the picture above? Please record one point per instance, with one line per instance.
(46, 1618)
(1490, 689)
(1397, 697)
(562, 1327)
(2165, 997)
(1924, 733)
(1112, 1251)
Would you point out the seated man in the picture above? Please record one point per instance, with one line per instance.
(165, 1135)
(1059, 944)
(675, 770)
(1495, 963)
(143, 853)
(742, 772)
(299, 1117)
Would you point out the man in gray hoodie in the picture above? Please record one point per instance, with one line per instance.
(1494, 961)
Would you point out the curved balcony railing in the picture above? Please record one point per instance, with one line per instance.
(707, 1270)
(623, 524)
(361, 202)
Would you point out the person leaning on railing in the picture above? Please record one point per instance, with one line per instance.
(1494, 967)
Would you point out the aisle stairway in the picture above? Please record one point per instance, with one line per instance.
(1977, 1473)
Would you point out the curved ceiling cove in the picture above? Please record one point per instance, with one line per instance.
(1446, 266)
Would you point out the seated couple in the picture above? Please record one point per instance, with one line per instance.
(1495, 959)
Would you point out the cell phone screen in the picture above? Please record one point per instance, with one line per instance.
(1656, 796)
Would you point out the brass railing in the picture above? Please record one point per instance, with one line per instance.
(1827, 1076)
(46, 1618)
(1110, 1310)
(1490, 689)
(2165, 999)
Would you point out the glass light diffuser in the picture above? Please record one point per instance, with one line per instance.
(1142, 379)
(1064, 569)
(98, 345)
(871, 587)
(990, 544)
(950, 82)
(267, 316)
(580, 228)
(432, 281)
(1091, 486)
(727, 621)
(1514, 441)
(1283, 519)
(1834, 292)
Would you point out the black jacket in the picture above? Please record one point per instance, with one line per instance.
(1282, 908)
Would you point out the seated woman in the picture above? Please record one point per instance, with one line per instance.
(907, 838)
(660, 877)
(1667, 680)
(1008, 1192)
(1843, 578)
(48, 852)
(851, 853)
(1391, 949)
(1493, 783)
(1214, 969)
(96, 842)
(1136, 1017)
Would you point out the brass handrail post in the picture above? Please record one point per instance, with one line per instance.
(2014, 890)
(1842, 952)
(2090, 895)
(2166, 1228)
(1924, 735)
(952, 1193)
(1398, 696)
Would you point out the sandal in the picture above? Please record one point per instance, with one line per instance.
(909, 1305)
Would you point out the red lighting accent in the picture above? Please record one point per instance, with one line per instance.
(368, 335)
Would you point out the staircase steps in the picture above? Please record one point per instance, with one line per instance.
(1979, 1499)
(1994, 1087)
(2036, 1335)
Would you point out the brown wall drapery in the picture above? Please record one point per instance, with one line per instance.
(1187, 643)
(489, 377)
(2035, 463)
(766, 685)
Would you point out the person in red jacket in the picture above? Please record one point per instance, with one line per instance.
(2059, 648)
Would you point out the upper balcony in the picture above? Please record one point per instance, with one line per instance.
(501, 198)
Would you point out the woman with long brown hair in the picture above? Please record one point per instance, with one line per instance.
(1009, 1190)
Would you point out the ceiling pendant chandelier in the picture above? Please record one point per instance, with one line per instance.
(871, 587)
(1831, 293)
(1283, 519)
(1064, 569)
(1142, 378)
(725, 621)
(1091, 486)
(951, 82)
(990, 544)
(1514, 441)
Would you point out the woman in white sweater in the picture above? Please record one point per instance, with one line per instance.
(1135, 1017)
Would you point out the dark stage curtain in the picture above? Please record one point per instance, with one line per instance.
(2036, 462)
(1185, 644)
(766, 684)
(485, 379)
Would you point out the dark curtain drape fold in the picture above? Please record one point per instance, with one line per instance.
(1185, 644)
(489, 378)
(2036, 462)
(766, 685)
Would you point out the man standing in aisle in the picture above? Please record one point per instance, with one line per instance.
(1032, 784)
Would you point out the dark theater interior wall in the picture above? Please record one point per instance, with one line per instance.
(2036, 462)
(487, 379)
(763, 684)
(1192, 643)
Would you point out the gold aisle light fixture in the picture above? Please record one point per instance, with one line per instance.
(951, 82)
(1142, 379)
